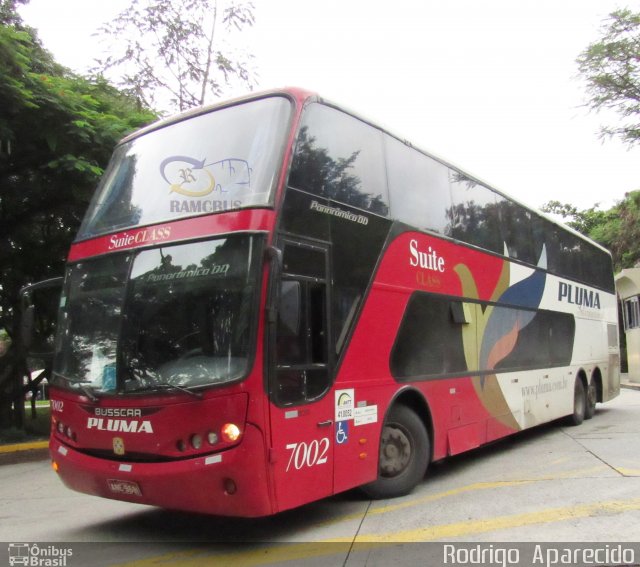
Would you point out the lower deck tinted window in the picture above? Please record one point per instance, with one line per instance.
(431, 339)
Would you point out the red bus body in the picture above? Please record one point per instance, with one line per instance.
(296, 445)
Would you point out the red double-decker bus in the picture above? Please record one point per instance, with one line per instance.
(272, 300)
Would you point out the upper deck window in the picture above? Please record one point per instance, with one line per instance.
(341, 158)
(222, 160)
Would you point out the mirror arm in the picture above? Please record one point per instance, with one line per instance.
(274, 256)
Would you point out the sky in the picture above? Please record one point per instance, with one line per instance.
(490, 86)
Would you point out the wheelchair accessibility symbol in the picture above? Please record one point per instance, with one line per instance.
(342, 432)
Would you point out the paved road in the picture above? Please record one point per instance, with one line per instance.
(553, 484)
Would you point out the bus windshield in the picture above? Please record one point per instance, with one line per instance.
(171, 317)
(217, 161)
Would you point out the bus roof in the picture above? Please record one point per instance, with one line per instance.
(302, 96)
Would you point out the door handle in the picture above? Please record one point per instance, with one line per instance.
(325, 423)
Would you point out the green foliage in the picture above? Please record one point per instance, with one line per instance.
(57, 131)
(611, 69)
(617, 229)
(621, 231)
(177, 52)
(582, 221)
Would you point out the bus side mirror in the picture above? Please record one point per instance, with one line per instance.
(39, 307)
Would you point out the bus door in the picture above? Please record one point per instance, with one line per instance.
(301, 411)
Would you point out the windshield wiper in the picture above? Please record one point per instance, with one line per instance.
(165, 386)
(86, 390)
(168, 386)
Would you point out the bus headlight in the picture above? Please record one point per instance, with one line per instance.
(196, 441)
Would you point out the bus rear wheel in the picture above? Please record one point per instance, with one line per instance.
(579, 403)
(404, 454)
(592, 397)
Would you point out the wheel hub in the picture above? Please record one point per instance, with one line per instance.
(395, 452)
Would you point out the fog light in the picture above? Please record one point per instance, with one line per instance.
(196, 441)
(230, 486)
(230, 432)
(181, 445)
(54, 466)
(212, 438)
(61, 428)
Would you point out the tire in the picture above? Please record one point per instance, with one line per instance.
(592, 397)
(404, 455)
(579, 403)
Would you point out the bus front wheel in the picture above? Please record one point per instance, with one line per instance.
(404, 454)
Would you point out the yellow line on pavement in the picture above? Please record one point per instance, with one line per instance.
(628, 472)
(471, 527)
(279, 553)
(373, 511)
(446, 494)
(16, 447)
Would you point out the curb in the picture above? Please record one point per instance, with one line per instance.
(18, 447)
(17, 453)
(630, 385)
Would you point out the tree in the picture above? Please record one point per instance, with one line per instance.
(582, 221)
(178, 51)
(617, 229)
(611, 69)
(620, 231)
(57, 131)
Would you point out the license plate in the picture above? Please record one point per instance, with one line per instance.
(126, 487)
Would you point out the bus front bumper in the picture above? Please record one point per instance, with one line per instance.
(230, 483)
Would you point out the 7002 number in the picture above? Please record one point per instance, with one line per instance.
(305, 454)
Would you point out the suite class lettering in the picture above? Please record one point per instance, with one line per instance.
(429, 259)
(140, 237)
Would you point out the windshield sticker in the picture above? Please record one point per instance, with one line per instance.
(215, 270)
(193, 206)
(194, 179)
